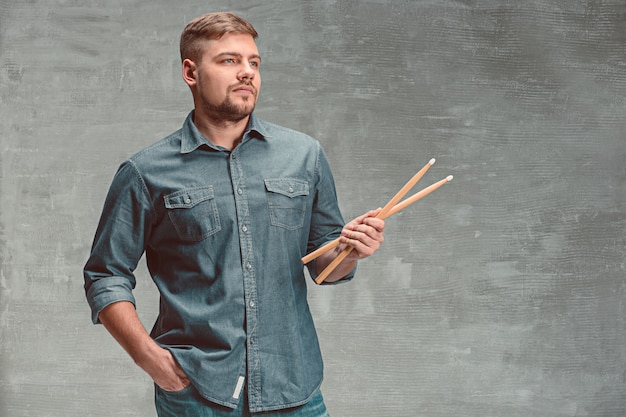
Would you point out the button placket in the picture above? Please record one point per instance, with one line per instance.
(249, 280)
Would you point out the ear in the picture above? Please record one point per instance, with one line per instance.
(189, 72)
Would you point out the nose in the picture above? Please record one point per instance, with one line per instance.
(247, 72)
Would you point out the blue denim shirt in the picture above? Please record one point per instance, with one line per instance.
(223, 233)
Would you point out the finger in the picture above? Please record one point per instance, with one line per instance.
(360, 250)
(377, 224)
(363, 233)
(374, 213)
(361, 241)
(362, 217)
(373, 229)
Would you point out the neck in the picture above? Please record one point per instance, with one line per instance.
(224, 133)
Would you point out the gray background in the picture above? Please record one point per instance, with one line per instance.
(501, 294)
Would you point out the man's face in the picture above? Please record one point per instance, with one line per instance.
(228, 78)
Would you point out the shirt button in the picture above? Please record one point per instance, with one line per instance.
(251, 304)
(249, 265)
(188, 200)
(244, 228)
(291, 189)
(239, 191)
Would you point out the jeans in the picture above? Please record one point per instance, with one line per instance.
(188, 403)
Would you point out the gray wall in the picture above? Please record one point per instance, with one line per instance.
(501, 294)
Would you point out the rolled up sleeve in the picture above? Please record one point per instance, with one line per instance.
(326, 218)
(119, 242)
(103, 292)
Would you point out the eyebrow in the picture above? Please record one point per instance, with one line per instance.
(237, 54)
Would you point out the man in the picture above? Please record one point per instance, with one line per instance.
(224, 209)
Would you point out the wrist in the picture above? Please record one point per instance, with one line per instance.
(148, 354)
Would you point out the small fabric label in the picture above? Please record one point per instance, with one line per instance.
(238, 388)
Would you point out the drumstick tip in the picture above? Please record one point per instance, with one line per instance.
(449, 178)
(431, 162)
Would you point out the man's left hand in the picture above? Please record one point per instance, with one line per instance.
(364, 234)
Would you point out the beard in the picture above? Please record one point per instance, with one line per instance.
(227, 111)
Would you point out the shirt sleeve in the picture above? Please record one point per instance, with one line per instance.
(326, 218)
(119, 242)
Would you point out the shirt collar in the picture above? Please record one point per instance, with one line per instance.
(192, 139)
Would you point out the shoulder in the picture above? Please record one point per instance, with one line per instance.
(167, 147)
(278, 134)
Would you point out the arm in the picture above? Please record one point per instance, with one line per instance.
(122, 321)
(364, 234)
(118, 245)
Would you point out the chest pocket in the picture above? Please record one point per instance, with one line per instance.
(286, 198)
(193, 213)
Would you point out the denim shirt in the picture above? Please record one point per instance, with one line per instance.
(223, 233)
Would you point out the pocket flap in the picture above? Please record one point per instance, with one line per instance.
(290, 187)
(189, 197)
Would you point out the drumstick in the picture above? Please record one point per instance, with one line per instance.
(415, 197)
(405, 189)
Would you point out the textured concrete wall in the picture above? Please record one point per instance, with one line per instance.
(501, 294)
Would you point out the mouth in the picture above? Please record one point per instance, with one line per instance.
(245, 89)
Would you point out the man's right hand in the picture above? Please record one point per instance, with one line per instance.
(121, 320)
(165, 371)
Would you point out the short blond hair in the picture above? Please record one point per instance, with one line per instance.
(210, 26)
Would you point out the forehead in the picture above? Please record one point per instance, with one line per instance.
(238, 43)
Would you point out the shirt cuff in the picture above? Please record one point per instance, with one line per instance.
(312, 271)
(106, 291)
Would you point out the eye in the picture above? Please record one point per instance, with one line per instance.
(255, 64)
(229, 61)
